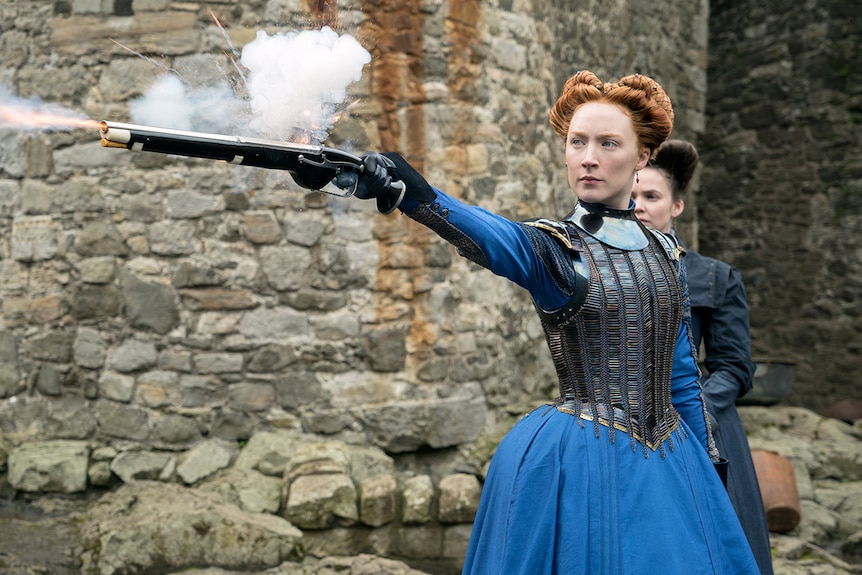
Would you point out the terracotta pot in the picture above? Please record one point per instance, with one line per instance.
(778, 489)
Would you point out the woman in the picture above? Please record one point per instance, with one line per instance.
(720, 320)
(616, 475)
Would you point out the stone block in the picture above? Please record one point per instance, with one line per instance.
(53, 346)
(49, 466)
(342, 326)
(261, 227)
(99, 474)
(49, 381)
(47, 309)
(116, 386)
(133, 355)
(202, 528)
(150, 5)
(420, 542)
(205, 458)
(166, 32)
(249, 489)
(12, 154)
(100, 238)
(267, 323)
(158, 389)
(139, 465)
(386, 349)
(8, 363)
(285, 267)
(218, 362)
(218, 299)
(38, 156)
(34, 238)
(77, 194)
(172, 238)
(456, 538)
(83, 158)
(186, 204)
(10, 197)
(16, 311)
(92, 301)
(377, 500)
(302, 389)
(302, 230)
(408, 425)
(248, 396)
(92, 6)
(321, 501)
(97, 270)
(121, 421)
(89, 349)
(459, 498)
(417, 498)
(69, 417)
(149, 305)
(200, 391)
(177, 431)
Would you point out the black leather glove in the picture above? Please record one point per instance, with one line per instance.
(378, 180)
(388, 178)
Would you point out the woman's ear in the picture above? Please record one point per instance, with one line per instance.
(677, 208)
(643, 158)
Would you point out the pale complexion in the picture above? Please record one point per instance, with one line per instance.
(602, 155)
(655, 206)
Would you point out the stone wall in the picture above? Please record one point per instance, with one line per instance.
(154, 307)
(782, 182)
(154, 301)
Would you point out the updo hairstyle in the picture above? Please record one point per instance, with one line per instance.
(641, 97)
(677, 159)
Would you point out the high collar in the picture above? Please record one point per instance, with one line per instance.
(617, 228)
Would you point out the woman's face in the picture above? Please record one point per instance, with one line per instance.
(654, 203)
(602, 155)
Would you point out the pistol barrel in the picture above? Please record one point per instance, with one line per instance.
(312, 167)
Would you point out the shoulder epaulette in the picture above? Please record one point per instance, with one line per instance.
(671, 245)
(554, 228)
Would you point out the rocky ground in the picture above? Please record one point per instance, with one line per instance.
(50, 534)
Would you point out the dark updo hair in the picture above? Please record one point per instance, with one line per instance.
(641, 97)
(677, 159)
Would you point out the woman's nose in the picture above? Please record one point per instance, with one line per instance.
(589, 158)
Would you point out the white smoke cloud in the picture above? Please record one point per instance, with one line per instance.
(166, 104)
(295, 85)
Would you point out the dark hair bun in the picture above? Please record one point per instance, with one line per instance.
(678, 159)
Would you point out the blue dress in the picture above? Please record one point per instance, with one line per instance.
(571, 488)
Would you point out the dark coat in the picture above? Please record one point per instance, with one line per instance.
(720, 321)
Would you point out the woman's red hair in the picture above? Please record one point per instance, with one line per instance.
(641, 97)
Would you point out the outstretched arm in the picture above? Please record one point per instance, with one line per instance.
(487, 239)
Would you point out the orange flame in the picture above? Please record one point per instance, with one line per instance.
(22, 117)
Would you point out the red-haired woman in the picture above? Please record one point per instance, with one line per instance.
(616, 475)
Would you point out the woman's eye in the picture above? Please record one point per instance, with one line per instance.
(609, 144)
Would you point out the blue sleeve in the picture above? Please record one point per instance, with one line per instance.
(686, 393)
(685, 389)
(497, 243)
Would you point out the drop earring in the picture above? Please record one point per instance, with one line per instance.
(637, 177)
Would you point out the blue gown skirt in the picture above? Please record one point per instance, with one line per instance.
(559, 500)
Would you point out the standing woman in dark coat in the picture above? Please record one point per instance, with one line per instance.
(720, 320)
